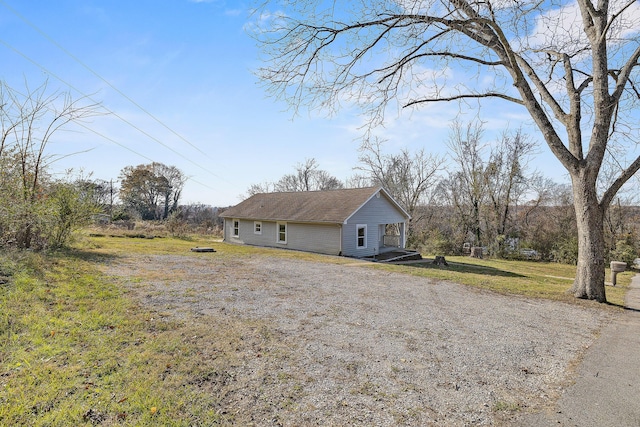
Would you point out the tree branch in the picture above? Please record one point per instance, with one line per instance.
(466, 96)
(619, 182)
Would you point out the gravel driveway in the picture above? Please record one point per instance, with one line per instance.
(354, 345)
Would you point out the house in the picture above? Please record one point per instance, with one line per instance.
(357, 222)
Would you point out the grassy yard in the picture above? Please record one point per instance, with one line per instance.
(75, 349)
(532, 279)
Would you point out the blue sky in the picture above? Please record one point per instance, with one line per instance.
(188, 64)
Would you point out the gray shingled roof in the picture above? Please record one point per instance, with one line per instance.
(332, 206)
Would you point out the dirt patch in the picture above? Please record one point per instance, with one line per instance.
(351, 345)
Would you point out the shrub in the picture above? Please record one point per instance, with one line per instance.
(176, 225)
(566, 251)
(436, 243)
(624, 252)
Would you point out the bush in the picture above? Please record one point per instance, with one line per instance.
(176, 225)
(436, 243)
(68, 210)
(624, 252)
(566, 251)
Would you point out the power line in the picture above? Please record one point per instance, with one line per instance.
(110, 112)
(51, 40)
(133, 151)
(75, 58)
(114, 141)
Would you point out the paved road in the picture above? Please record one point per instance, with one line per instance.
(607, 388)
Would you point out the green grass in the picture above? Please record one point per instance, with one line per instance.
(526, 278)
(76, 349)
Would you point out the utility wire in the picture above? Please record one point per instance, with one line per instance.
(110, 112)
(114, 141)
(78, 123)
(133, 151)
(75, 58)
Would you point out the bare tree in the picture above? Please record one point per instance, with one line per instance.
(325, 181)
(359, 180)
(573, 66)
(28, 121)
(265, 187)
(408, 177)
(466, 185)
(307, 177)
(507, 180)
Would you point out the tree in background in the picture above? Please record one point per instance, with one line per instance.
(507, 182)
(265, 187)
(547, 221)
(152, 190)
(573, 66)
(174, 183)
(307, 177)
(28, 121)
(102, 192)
(409, 177)
(486, 185)
(465, 187)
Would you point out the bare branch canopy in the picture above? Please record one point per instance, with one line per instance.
(572, 65)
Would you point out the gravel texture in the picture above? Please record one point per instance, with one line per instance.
(353, 345)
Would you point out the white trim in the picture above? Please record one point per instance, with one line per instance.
(235, 231)
(358, 228)
(257, 227)
(278, 224)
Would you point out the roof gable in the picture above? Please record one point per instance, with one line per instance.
(331, 206)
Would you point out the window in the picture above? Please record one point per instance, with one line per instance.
(257, 227)
(236, 228)
(361, 236)
(282, 232)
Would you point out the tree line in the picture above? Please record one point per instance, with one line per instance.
(484, 193)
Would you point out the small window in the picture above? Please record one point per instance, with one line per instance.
(257, 227)
(361, 236)
(282, 232)
(236, 228)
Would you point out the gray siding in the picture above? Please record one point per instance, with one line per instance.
(378, 210)
(320, 238)
(245, 228)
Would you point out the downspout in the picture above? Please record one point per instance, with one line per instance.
(340, 253)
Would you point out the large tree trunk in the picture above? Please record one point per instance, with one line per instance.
(590, 272)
